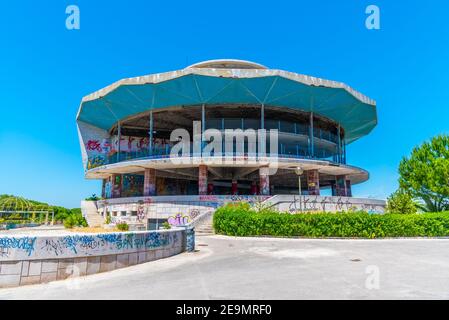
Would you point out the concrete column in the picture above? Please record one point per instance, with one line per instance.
(202, 180)
(348, 188)
(334, 189)
(264, 181)
(253, 190)
(117, 185)
(119, 137)
(340, 186)
(262, 116)
(210, 188)
(234, 187)
(311, 137)
(339, 156)
(149, 183)
(103, 188)
(150, 143)
(313, 182)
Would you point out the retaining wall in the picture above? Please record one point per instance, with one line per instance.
(179, 210)
(30, 260)
(294, 203)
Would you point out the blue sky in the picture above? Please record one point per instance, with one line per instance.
(47, 69)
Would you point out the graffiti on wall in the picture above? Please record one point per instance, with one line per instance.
(179, 220)
(25, 244)
(97, 152)
(132, 185)
(319, 204)
(83, 245)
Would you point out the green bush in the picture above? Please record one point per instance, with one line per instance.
(93, 197)
(123, 226)
(401, 202)
(166, 225)
(239, 221)
(74, 220)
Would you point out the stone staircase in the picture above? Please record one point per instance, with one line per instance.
(89, 211)
(205, 227)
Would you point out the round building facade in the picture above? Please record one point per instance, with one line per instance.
(223, 128)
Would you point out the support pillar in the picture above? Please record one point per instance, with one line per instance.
(262, 116)
(149, 183)
(334, 188)
(311, 137)
(348, 188)
(313, 182)
(119, 138)
(234, 187)
(108, 188)
(339, 155)
(210, 188)
(116, 185)
(264, 181)
(202, 180)
(341, 189)
(103, 188)
(150, 143)
(253, 190)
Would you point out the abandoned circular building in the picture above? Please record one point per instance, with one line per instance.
(128, 133)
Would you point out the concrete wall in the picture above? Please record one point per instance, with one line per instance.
(293, 203)
(30, 260)
(179, 210)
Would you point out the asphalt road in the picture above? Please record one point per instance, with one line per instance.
(249, 268)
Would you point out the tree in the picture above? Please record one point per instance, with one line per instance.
(425, 174)
(401, 202)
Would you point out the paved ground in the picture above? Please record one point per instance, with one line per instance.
(237, 268)
(55, 230)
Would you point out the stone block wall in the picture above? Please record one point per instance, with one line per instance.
(179, 210)
(33, 260)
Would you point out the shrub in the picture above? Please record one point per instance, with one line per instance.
(93, 197)
(74, 220)
(235, 221)
(401, 202)
(122, 226)
(166, 225)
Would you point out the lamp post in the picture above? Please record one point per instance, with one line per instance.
(299, 172)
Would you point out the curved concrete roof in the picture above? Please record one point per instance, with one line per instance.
(251, 84)
(227, 64)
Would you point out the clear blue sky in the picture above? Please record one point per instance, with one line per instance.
(47, 69)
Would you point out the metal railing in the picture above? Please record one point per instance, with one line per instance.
(164, 153)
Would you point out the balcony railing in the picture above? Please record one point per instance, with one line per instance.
(284, 151)
(282, 126)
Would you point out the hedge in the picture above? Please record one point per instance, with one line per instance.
(242, 221)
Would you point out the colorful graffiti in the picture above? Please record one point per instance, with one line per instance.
(95, 161)
(321, 204)
(141, 214)
(178, 220)
(97, 152)
(94, 145)
(190, 240)
(132, 185)
(26, 244)
(84, 245)
(194, 213)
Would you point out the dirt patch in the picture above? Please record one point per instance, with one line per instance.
(93, 230)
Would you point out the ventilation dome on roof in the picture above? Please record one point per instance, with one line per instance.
(227, 64)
